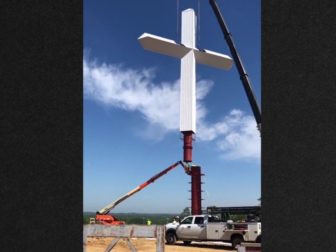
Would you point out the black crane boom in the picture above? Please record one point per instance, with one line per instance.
(239, 64)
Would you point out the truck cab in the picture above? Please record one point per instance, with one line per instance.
(193, 227)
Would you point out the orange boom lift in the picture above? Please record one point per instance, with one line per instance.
(102, 216)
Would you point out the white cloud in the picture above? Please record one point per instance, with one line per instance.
(235, 135)
(133, 90)
(238, 136)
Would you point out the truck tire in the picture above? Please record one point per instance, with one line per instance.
(186, 243)
(258, 240)
(170, 238)
(236, 240)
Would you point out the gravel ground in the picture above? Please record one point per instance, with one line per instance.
(99, 244)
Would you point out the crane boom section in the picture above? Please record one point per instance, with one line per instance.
(112, 205)
(240, 67)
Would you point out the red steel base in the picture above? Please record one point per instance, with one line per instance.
(194, 172)
(187, 146)
(196, 197)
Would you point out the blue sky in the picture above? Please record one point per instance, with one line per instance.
(131, 107)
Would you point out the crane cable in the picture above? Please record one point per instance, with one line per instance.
(198, 24)
(177, 19)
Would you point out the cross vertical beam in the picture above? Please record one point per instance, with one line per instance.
(188, 84)
(188, 74)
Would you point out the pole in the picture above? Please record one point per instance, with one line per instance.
(194, 172)
(187, 146)
(196, 197)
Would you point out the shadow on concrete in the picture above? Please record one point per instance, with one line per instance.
(206, 245)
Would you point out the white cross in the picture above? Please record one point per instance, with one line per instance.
(189, 55)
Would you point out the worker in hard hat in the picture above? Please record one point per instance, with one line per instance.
(176, 220)
(149, 222)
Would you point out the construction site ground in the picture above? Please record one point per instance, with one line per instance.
(99, 244)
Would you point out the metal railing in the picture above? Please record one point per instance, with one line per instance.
(125, 232)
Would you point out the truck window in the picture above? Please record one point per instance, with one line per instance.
(199, 220)
(214, 219)
(187, 220)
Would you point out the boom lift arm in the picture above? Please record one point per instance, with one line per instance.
(102, 215)
(239, 64)
(109, 207)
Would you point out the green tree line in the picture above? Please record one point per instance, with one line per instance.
(135, 218)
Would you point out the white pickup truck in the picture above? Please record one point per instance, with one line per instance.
(208, 228)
